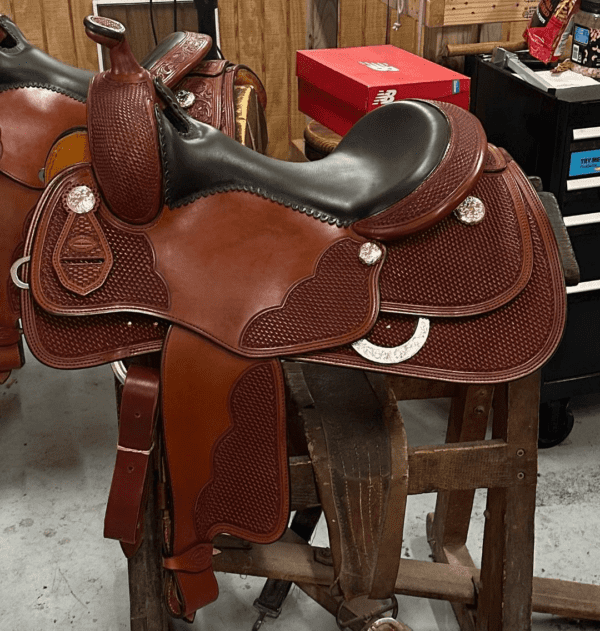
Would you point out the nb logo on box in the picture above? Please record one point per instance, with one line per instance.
(383, 97)
(380, 66)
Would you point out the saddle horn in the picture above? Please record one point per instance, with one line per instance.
(122, 126)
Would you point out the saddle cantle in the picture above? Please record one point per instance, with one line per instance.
(414, 249)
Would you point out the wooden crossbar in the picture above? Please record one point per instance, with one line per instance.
(423, 579)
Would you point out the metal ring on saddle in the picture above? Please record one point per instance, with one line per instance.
(120, 371)
(14, 272)
(371, 618)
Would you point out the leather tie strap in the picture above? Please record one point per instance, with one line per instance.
(195, 560)
(137, 419)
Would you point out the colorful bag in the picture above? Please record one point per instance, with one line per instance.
(547, 30)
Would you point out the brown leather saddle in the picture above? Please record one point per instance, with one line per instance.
(415, 248)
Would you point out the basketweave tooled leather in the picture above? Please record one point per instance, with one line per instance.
(212, 83)
(443, 190)
(467, 270)
(122, 131)
(505, 344)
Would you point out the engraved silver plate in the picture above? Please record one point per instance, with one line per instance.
(397, 354)
(471, 211)
(185, 99)
(81, 200)
(370, 253)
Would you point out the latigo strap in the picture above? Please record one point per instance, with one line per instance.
(137, 420)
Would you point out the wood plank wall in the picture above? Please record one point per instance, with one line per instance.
(56, 27)
(265, 35)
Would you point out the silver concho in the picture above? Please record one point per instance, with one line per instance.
(370, 253)
(397, 354)
(471, 211)
(81, 200)
(185, 99)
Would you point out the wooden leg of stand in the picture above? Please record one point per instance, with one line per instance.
(145, 578)
(505, 590)
(448, 528)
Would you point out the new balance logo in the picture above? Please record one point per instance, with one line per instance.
(383, 97)
(380, 66)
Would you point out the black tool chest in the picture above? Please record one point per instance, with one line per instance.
(556, 136)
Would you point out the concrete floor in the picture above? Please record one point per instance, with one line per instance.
(57, 437)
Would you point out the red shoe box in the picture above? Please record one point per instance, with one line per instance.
(337, 86)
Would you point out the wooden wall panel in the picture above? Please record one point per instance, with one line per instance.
(264, 35)
(29, 17)
(86, 55)
(55, 26)
(321, 24)
(278, 67)
(7, 8)
(229, 27)
(376, 23)
(59, 30)
(461, 12)
(361, 23)
(297, 41)
(406, 36)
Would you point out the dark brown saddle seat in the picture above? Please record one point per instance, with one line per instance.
(385, 157)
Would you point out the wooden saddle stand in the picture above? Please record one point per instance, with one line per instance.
(245, 292)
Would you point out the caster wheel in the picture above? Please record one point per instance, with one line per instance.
(556, 423)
